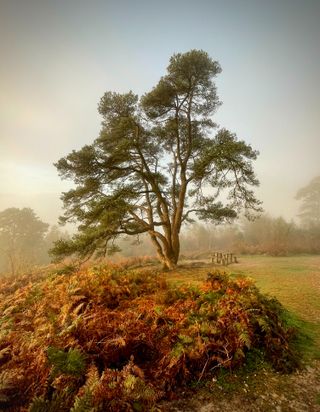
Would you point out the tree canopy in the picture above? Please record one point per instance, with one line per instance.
(159, 162)
(21, 237)
(310, 207)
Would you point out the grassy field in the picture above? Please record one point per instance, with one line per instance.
(294, 281)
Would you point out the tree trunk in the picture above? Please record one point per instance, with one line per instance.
(171, 255)
(167, 254)
(168, 264)
(12, 264)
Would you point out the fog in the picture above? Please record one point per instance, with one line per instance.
(58, 58)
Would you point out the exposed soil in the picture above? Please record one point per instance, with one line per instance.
(264, 391)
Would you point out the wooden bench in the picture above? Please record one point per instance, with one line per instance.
(221, 258)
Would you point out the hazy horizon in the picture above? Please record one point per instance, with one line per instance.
(58, 59)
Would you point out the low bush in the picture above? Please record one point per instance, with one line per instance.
(110, 339)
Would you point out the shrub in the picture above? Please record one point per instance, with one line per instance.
(119, 340)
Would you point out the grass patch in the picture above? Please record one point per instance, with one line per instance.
(306, 341)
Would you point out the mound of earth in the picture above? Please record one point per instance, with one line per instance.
(107, 338)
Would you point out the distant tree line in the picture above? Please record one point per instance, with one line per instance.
(269, 235)
(266, 235)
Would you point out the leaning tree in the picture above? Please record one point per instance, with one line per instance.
(159, 161)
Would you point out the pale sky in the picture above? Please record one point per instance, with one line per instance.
(59, 57)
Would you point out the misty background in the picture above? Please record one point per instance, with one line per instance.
(58, 58)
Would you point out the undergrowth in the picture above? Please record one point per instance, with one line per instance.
(112, 339)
